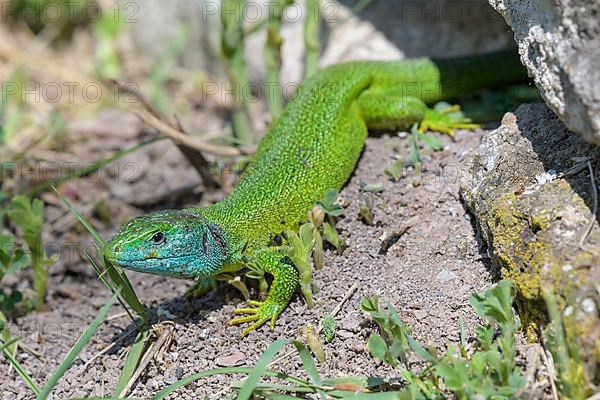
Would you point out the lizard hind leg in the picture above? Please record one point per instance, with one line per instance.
(285, 281)
(383, 109)
(387, 111)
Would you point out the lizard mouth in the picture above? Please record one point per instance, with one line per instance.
(174, 266)
(115, 259)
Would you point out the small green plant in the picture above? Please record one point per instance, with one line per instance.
(62, 16)
(329, 326)
(394, 171)
(299, 249)
(366, 210)
(309, 241)
(418, 138)
(572, 380)
(488, 371)
(332, 209)
(28, 215)
(11, 260)
(330, 205)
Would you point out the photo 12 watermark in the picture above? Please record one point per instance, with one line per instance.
(69, 171)
(49, 12)
(71, 92)
(255, 12)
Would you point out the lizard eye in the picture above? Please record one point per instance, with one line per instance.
(158, 238)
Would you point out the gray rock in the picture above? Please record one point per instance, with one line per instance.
(559, 43)
(536, 232)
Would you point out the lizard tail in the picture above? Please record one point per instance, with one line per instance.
(466, 74)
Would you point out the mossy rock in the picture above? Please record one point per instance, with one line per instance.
(530, 191)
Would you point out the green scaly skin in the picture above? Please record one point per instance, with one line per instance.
(312, 147)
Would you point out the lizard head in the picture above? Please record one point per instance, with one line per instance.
(174, 243)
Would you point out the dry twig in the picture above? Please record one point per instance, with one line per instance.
(191, 147)
(595, 209)
(551, 374)
(165, 331)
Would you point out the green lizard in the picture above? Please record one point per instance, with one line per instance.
(311, 148)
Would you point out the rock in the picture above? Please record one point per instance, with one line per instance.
(535, 231)
(169, 380)
(232, 360)
(345, 334)
(559, 43)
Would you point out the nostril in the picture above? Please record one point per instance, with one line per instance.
(117, 248)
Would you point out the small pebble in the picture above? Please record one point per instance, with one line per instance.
(446, 276)
(588, 306)
(204, 334)
(232, 360)
(420, 315)
(568, 311)
(352, 325)
(345, 334)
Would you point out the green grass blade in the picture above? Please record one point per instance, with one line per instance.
(133, 358)
(223, 371)
(5, 345)
(108, 285)
(309, 366)
(77, 348)
(80, 218)
(103, 398)
(259, 369)
(281, 388)
(20, 370)
(276, 396)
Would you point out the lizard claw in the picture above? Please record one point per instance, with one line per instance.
(444, 118)
(259, 313)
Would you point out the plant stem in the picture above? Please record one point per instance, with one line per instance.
(273, 57)
(312, 44)
(232, 46)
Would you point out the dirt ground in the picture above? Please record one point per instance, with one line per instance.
(428, 274)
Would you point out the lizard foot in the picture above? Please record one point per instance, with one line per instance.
(259, 312)
(444, 118)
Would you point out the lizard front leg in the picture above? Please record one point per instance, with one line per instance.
(285, 281)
